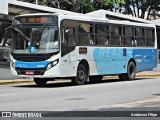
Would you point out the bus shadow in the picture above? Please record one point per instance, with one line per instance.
(118, 80)
(69, 84)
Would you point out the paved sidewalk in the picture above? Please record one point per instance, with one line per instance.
(148, 73)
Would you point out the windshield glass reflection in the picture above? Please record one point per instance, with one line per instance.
(35, 40)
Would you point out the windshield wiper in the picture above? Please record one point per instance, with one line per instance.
(22, 34)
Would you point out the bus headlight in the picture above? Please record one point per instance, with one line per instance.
(13, 65)
(52, 64)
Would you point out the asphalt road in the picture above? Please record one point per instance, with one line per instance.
(111, 95)
(5, 73)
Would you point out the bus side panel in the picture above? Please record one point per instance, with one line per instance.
(110, 60)
(105, 61)
(145, 59)
(115, 60)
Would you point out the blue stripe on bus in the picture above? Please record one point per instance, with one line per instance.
(115, 60)
(34, 65)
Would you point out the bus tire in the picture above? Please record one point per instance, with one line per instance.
(131, 72)
(41, 82)
(95, 79)
(82, 75)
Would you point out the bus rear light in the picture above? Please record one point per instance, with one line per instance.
(52, 64)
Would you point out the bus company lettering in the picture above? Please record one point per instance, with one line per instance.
(21, 65)
(110, 52)
(100, 20)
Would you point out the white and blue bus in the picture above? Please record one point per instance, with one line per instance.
(80, 48)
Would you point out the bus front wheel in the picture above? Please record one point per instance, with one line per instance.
(41, 82)
(81, 77)
(131, 72)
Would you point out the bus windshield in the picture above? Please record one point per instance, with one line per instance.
(35, 39)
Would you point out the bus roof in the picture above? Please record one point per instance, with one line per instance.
(83, 17)
(104, 20)
(118, 16)
(156, 22)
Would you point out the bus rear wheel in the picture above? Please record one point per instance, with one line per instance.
(131, 72)
(41, 82)
(82, 75)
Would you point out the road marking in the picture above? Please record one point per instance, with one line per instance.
(128, 105)
(8, 95)
(137, 103)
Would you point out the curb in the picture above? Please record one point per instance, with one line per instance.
(137, 75)
(18, 81)
(149, 75)
(15, 81)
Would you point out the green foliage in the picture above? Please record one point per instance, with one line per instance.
(88, 6)
(114, 5)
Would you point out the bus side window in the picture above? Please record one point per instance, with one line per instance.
(102, 34)
(150, 38)
(85, 34)
(71, 36)
(128, 39)
(68, 36)
(139, 33)
(116, 35)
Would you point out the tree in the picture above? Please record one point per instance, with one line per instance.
(111, 5)
(142, 8)
(87, 6)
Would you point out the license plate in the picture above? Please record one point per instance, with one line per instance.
(29, 72)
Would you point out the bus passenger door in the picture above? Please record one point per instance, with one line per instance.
(68, 54)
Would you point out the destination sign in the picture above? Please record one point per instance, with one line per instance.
(36, 19)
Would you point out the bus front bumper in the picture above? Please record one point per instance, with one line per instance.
(43, 73)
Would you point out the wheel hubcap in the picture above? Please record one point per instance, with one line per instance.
(81, 74)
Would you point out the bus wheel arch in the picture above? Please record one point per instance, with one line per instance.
(132, 60)
(82, 73)
(131, 71)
